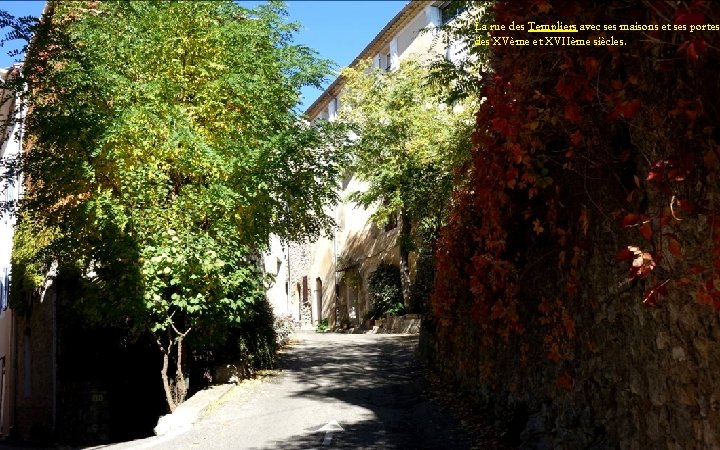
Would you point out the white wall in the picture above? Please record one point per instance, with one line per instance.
(275, 263)
(10, 146)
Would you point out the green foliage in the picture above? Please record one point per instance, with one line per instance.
(407, 147)
(385, 291)
(26, 263)
(322, 326)
(460, 79)
(424, 279)
(256, 338)
(408, 142)
(166, 149)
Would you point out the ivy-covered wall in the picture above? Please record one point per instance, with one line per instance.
(577, 283)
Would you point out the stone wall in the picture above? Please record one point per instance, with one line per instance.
(35, 381)
(636, 377)
(300, 259)
(535, 313)
(409, 323)
(79, 382)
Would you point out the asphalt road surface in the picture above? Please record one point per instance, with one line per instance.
(334, 391)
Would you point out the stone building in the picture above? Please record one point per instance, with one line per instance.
(55, 383)
(327, 279)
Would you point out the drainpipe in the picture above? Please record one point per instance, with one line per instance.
(289, 286)
(287, 279)
(335, 260)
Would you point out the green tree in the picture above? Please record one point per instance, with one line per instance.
(408, 143)
(385, 291)
(166, 148)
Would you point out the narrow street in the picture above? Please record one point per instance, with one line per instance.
(368, 385)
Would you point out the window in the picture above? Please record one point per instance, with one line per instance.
(2, 394)
(4, 288)
(388, 62)
(450, 10)
(332, 109)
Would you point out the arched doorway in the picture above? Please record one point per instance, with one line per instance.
(318, 300)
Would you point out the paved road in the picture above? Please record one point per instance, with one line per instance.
(367, 383)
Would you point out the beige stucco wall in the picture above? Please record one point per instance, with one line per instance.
(357, 247)
(419, 39)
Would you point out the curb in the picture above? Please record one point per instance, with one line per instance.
(183, 418)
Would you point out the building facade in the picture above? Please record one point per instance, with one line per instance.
(10, 190)
(327, 279)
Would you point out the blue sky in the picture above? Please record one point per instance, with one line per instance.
(338, 30)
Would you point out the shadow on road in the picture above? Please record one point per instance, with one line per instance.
(377, 373)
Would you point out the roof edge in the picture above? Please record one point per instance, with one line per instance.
(398, 20)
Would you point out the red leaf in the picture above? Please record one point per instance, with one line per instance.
(501, 126)
(630, 108)
(544, 306)
(565, 381)
(716, 302)
(696, 269)
(576, 138)
(658, 170)
(587, 95)
(692, 50)
(646, 231)
(537, 227)
(497, 311)
(572, 112)
(684, 16)
(584, 222)
(591, 66)
(642, 263)
(709, 285)
(566, 90)
(624, 254)
(511, 177)
(554, 354)
(653, 294)
(630, 220)
(650, 298)
(675, 248)
(685, 205)
(703, 298)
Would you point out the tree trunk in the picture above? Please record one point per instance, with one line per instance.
(180, 385)
(405, 242)
(169, 398)
(175, 392)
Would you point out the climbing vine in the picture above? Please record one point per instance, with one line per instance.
(587, 157)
